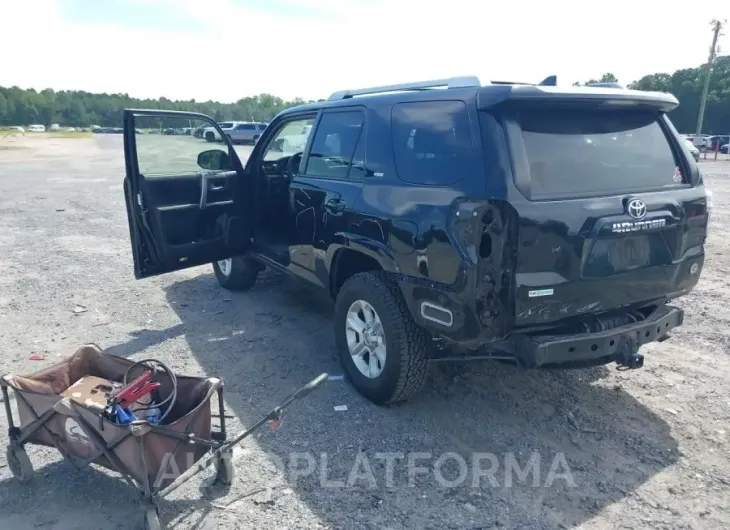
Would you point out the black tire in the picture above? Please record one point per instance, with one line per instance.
(405, 369)
(224, 470)
(242, 275)
(19, 464)
(152, 519)
(210, 136)
(256, 139)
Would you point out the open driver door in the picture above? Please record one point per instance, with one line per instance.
(187, 204)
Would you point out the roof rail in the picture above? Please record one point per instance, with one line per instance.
(605, 85)
(451, 82)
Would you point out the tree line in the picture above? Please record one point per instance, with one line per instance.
(77, 108)
(82, 109)
(686, 85)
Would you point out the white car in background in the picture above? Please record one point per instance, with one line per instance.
(237, 131)
(36, 128)
(211, 134)
(692, 149)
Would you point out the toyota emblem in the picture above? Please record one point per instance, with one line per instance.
(636, 208)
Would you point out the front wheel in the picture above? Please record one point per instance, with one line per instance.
(19, 463)
(210, 136)
(382, 350)
(236, 274)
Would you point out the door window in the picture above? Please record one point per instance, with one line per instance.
(289, 140)
(162, 153)
(334, 144)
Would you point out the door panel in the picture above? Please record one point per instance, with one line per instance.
(325, 191)
(184, 208)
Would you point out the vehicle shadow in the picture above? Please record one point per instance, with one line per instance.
(540, 448)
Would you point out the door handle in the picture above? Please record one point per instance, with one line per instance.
(334, 206)
(213, 187)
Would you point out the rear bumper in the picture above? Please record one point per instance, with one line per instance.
(600, 347)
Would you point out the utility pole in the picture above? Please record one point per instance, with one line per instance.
(708, 70)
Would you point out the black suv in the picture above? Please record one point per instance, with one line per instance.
(544, 225)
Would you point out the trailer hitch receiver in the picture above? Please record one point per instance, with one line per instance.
(627, 356)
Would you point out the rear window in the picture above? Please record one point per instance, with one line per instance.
(584, 151)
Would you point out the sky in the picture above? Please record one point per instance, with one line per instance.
(228, 49)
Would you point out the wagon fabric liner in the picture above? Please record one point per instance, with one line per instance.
(39, 395)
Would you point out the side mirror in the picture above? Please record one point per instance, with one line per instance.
(214, 160)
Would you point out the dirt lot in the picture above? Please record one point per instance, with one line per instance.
(643, 449)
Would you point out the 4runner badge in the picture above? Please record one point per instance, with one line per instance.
(637, 226)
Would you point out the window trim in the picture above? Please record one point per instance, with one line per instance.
(315, 128)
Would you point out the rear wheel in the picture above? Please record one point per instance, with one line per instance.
(382, 350)
(236, 274)
(256, 139)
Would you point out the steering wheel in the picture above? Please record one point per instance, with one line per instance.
(292, 166)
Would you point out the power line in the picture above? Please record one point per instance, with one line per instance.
(717, 27)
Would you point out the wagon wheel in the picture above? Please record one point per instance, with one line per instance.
(152, 519)
(19, 464)
(224, 471)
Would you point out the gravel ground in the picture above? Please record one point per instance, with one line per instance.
(639, 449)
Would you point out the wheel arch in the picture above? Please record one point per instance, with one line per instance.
(357, 255)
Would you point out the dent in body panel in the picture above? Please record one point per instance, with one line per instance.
(414, 223)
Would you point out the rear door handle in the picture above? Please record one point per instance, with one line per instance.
(334, 206)
(213, 187)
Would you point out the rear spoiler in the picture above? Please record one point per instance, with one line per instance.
(490, 96)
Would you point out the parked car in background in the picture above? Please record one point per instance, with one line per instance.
(37, 128)
(725, 149)
(237, 131)
(211, 134)
(16, 129)
(246, 132)
(692, 149)
(717, 141)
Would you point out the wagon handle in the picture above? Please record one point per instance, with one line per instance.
(275, 413)
(306, 389)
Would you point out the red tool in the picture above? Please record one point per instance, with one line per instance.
(136, 390)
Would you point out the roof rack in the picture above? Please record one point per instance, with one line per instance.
(451, 82)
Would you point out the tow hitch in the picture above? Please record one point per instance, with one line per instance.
(628, 357)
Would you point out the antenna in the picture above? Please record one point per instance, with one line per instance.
(549, 81)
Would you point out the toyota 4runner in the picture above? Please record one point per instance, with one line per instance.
(544, 225)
